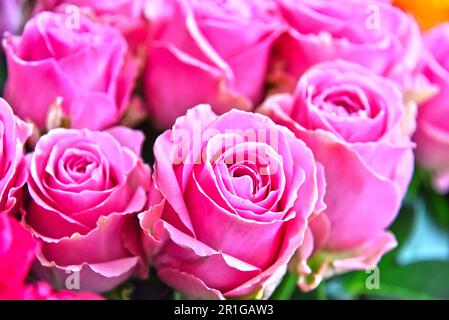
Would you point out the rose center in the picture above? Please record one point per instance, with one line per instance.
(246, 178)
(345, 104)
(79, 165)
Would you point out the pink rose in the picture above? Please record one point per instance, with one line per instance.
(86, 188)
(374, 34)
(231, 199)
(83, 72)
(212, 52)
(13, 134)
(356, 125)
(17, 252)
(432, 136)
(126, 15)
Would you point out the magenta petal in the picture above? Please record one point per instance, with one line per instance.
(189, 284)
(131, 139)
(17, 253)
(230, 228)
(212, 89)
(97, 278)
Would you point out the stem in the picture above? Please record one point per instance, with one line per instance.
(321, 292)
(286, 289)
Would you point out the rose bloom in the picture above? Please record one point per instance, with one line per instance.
(357, 127)
(10, 16)
(86, 189)
(17, 252)
(13, 134)
(126, 15)
(83, 72)
(231, 199)
(212, 52)
(432, 136)
(374, 34)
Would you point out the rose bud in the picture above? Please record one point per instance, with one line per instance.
(126, 15)
(82, 70)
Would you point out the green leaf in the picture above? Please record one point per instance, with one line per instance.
(415, 185)
(422, 280)
(177, 296)
(403, 225)
(438, 206)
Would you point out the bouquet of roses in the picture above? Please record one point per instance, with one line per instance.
(216, 149)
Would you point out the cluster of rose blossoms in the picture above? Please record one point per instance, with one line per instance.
(291, 131)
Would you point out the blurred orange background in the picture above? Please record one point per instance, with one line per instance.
(428, 12)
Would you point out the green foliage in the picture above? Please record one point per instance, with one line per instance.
(421, 280)
(286, 289)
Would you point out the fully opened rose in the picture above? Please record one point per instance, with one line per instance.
(13, 134)
(432, 136)
(86, 189)
(356, 125)
(371, 33)
(212, 52)
(231, 200)
(81, 71)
